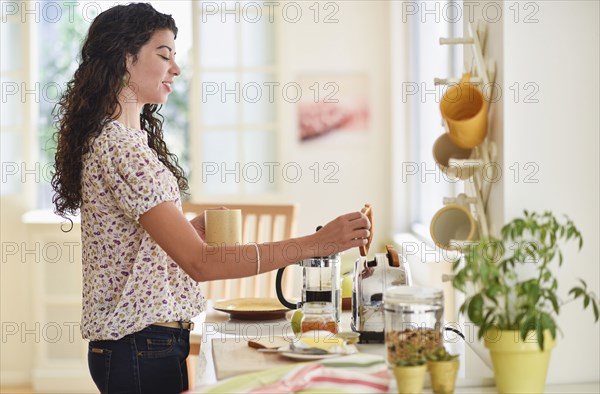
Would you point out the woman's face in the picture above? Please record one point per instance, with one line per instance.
(151, 74)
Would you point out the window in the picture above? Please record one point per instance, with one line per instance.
(429, 60)
(236, 115)
(424, 183)
(13, 113)
(228, 65)
(60, 31)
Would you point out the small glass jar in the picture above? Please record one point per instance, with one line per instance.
(413, 322)
(318, 316)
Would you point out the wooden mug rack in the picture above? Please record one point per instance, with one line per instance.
(478, 185)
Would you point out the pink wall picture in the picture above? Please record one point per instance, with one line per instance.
(333, 104)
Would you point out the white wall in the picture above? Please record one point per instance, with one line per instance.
(16, 309)
(560, 134)
(557, 138)
(357, 44)
(549, 130)
(16, 268)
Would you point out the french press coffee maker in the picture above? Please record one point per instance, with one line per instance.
(321, 281)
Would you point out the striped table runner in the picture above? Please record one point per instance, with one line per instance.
(356, 373)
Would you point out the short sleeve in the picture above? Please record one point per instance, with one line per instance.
(135, 176)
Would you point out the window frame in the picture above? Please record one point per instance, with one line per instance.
(198, 128)
(429, 264)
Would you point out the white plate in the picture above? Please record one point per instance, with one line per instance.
(349, 349)
(298, 356)
(252, 308)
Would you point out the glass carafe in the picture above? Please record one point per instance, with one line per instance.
(321, 282)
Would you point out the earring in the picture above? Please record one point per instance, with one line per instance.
(124, 82)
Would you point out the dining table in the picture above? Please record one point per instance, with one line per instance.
(225, 355)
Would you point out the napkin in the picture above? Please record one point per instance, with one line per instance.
(357, 373)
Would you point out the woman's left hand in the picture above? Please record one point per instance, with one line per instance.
(198, 223)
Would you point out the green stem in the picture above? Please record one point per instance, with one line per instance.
(508, 322)
(506, 291)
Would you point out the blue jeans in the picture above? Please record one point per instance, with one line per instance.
(148, 361)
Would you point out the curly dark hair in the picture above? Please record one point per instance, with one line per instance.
(91, 97)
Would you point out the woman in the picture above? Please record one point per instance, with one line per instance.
(141, 258)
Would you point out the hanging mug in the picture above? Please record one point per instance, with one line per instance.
(453, 222)
(464, 110)
(444, 150)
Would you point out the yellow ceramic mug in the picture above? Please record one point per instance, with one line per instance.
(464, 110)
(223, 226)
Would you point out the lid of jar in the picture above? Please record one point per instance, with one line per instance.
(317, 307)
(413, 294)
(322, 262)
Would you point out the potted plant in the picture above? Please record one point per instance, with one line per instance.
(410, 373)
(511, 296)
(443, 368)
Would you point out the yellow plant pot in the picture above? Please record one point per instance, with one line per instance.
(410, 379)
(519, 366)
(443, 375)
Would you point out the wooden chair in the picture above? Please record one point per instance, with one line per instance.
(260, 223)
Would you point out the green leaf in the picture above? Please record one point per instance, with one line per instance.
(476, 309)
(459, 281)
(560, 258)
(586, 301)
(546, 276)
(595, 307)
(525, 326)
(552, 297)
(491, 293)
(543, 235)
(482, 328)
(455, 264)
(576, 291)
(483, 273)
(540, 333)
(489, 319)
(548, 324)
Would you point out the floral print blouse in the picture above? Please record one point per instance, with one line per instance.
(129, 281)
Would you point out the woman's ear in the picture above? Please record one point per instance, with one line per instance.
(129, 61)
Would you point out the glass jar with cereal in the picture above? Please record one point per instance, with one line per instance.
(413, 322)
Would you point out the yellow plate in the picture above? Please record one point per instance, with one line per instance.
(252, 308)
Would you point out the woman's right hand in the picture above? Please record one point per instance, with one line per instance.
(345, 232)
